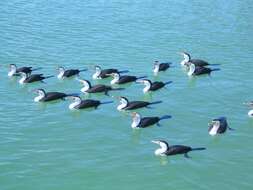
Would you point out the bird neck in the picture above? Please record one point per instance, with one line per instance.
(40, 96)
(115, 79)
(192, 69)
(136, 121)
(214, 130)
(156, 68)
(147, 86)
(123, 104)
(161, 150)
(187, 58)
(76, 102)
(23, 78)
(96, 74)
(86, 86)
(61, 73)
(13, 70)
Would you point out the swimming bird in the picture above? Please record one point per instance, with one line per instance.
(160, 67)
(127, 105)
(100, 74)
(197, 70)
(68, 73)
(32, 78)
(166, 150)
(88, 103)
(88, 88)
(44, 96)
(152, 86)
(218, 126)
(196, 62)
(117, 79)
(15, 71)
(139, 122)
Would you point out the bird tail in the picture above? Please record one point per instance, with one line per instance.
(202, 148)
(165, 117)
(157, 102)
(73, 94)
(107, 102)
(215, 69)
(49, 77)
(142, 77)
(231, 129)
(82, 70)
(169, 82)
(118, 89)
(214, 64)
(37, 69)
(124, 71)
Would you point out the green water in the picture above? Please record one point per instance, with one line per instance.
(47, 146)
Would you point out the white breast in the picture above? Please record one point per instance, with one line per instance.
(11, 73)
(60, 75)
(21, 81)
(214, 130)
(183, 62)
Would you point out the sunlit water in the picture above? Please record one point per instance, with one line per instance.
(47, 146)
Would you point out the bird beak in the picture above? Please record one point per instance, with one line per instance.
(248, 103)
(139, 81)
(78, 79)
(156, 142)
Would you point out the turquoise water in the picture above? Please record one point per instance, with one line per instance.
(47, 146)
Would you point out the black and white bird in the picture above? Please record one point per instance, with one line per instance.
(218, 126)
(44, 96)
(83, 104)
(166, 150)
(99, 88)
(196, 62)
(198, 70)
(125, 104)
(68, 73)
(26, 78)
(160, 67)
(104, 73)
(152, 86)
(139, 122)
(15, 71)
(118, 79)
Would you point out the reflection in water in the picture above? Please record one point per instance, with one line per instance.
(148, 96)
(192, 81)
(164, 160)
(136, 135)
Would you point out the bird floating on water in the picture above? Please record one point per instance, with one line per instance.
(166, 150)
(143, 122)
(15, 71)
(125, 104)
(68, 73)
(152, 86)
(104, 73)
(218, 126)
